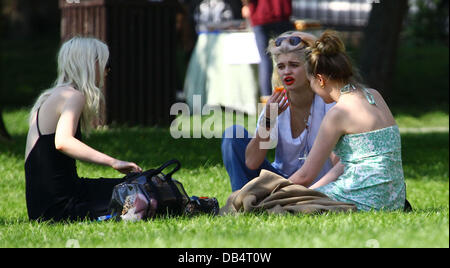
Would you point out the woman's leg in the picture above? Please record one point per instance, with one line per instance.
(233, 156)
(94, 197)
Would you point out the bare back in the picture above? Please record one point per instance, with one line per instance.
(361, 116)
(49, 114)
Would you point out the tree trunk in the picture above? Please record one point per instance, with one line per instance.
(379, 48)
(4, 135)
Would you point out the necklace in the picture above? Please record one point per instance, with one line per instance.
(347, 89)
(306, 120)
(351, 88)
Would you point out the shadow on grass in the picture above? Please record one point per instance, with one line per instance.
(149, 147)
(424, 154)
(14, 147)
(153, 146)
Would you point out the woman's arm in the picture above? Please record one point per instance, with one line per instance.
(254, 154)
(71, 146)
(258, 146)
(331, 175)
(329, 133)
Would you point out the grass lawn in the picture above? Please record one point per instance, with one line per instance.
(425, 160)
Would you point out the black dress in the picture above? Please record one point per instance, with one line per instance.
(53, 189)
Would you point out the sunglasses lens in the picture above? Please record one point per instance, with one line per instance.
(279, 41)
(294, 40)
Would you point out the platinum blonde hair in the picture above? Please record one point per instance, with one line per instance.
(77, 59)
(300, 50)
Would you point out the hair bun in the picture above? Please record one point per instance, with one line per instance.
(329, 44)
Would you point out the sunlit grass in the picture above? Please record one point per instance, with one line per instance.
(425, 161)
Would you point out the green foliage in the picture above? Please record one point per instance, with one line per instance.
(429, 22)
(421, 79)
(28, 68)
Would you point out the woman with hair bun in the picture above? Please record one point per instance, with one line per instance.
(360, 129)
(53, 189)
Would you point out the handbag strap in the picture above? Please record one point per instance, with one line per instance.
(167, 164)
(167, 177)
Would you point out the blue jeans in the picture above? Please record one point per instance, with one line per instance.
(262, 35)
(233, 156)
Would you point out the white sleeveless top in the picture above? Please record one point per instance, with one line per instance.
(289, 150)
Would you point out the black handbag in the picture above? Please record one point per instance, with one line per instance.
(150, 193)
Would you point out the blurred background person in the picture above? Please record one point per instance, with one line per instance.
(268, 18)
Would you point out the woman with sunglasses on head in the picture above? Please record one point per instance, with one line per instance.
(360, 129)
(268, 18)
(53, 189)
(291, 127)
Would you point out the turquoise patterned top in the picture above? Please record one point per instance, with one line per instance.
(373, 175)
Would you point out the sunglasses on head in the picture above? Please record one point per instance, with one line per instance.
(293, 40)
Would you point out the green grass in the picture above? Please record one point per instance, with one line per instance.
(425, 161)
(427, 120)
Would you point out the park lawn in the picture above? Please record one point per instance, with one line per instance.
(425, 160)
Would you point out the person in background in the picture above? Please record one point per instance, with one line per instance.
(293, 127)
(360, 129)
(53, 189)
(268, 18)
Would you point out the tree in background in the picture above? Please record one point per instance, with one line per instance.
(4, 135)
(23, 26)
(379, 47)
(429, 22)
(25, 18)
(3, 132)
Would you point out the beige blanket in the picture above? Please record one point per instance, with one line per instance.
(275, 194)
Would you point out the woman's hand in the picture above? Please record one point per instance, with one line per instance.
(125, 167)
(280, 99)
(245, 12)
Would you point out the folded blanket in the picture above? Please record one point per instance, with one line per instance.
(275, 194)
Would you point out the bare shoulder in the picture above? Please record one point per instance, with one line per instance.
(374, 92)
(71, 95)
(377, 95)
(337, 116)
(69, 98)
(337, 112)
(69, 92)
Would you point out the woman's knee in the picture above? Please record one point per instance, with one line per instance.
(235, 131)
(234, 137)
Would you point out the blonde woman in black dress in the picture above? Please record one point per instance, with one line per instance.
(53, 189)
